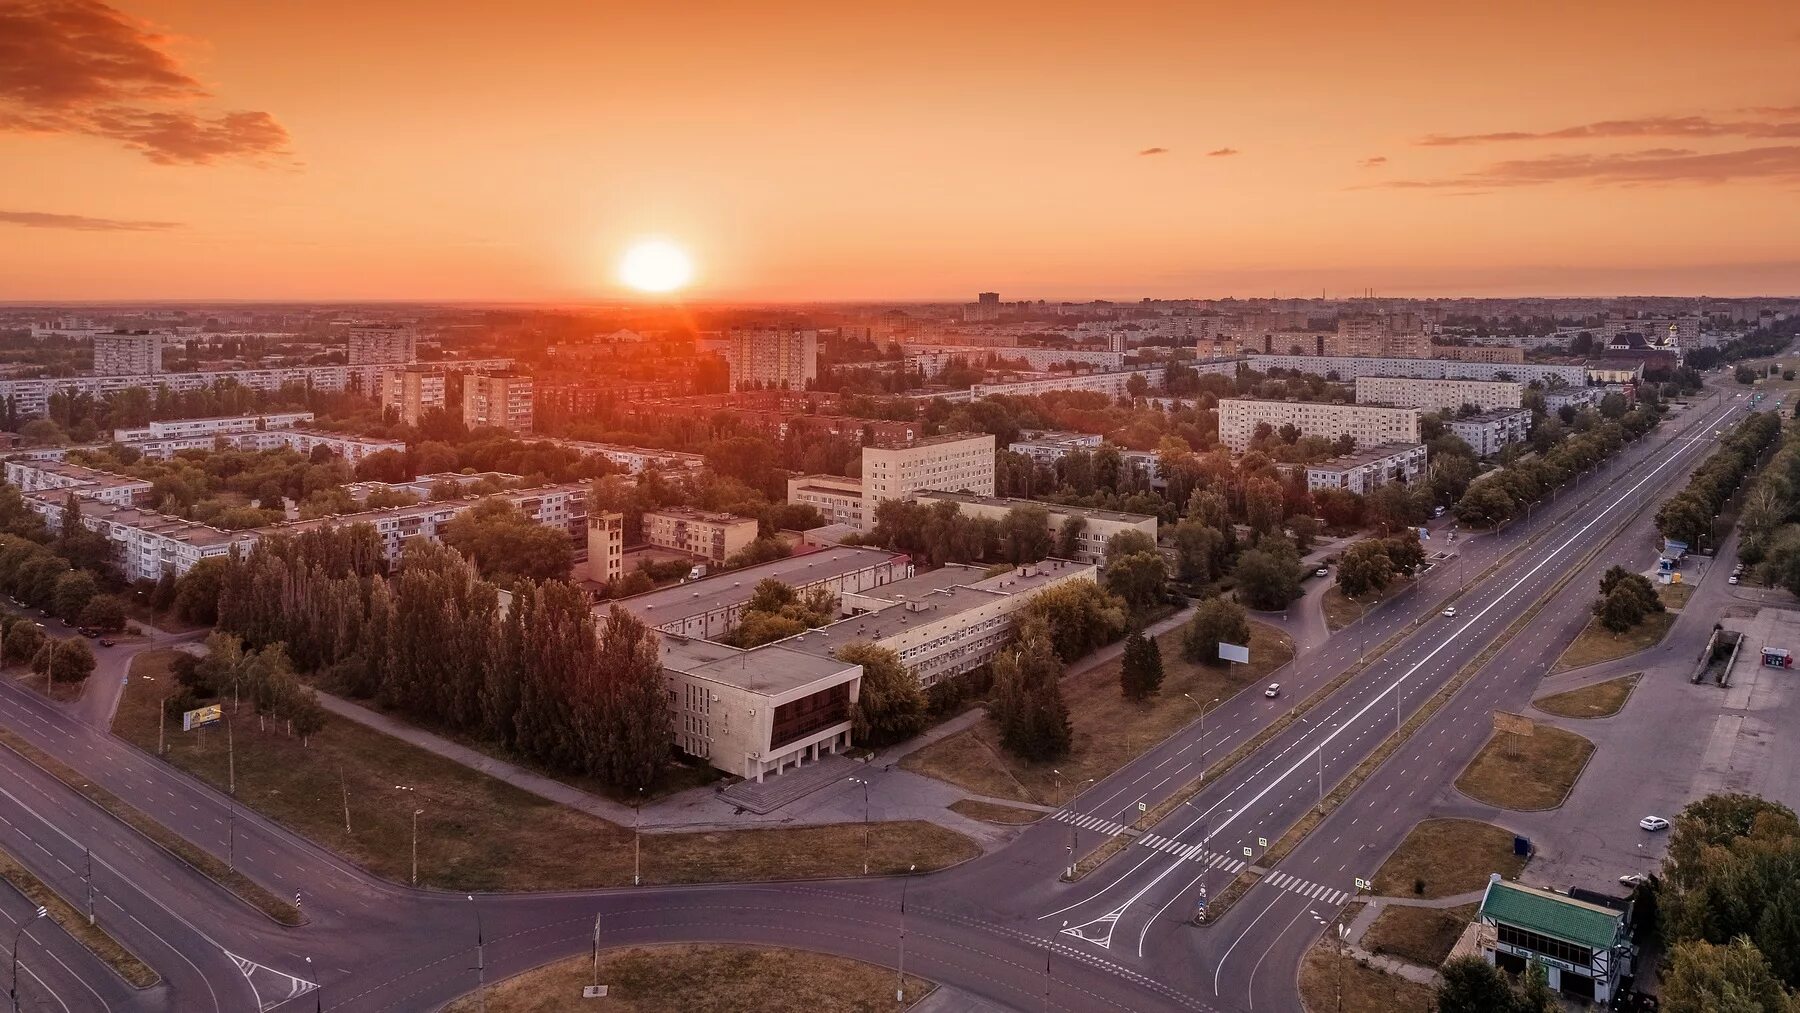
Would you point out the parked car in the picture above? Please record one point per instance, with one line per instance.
(1653, 823)
(1731, 579)
(1632, 880)
(105, 642)
(1273, 691)
(1450, 613)
(1323, 571)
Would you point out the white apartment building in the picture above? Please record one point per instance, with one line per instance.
(214, 426)
(1368, 425)
(1367, 470)
(500, 400)
(1112, 384)
(376, 344)
(931, 360)
(411, 391)
(714, 537)
(956, 462)
(1579, 397)
(1098, 527)
(129, 354)
(838, 499)
(350, 447)
(1349, 367)
(1487, 432)
(1438, 395)
(772, 357)
(636, 460)
(30, 476)
(1048, 447)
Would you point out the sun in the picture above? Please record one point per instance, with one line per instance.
(656, 265)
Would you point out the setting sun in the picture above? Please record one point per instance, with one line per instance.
(656, 265)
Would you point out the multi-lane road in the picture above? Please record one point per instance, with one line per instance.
(1003, 928)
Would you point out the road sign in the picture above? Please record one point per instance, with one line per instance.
(1361, 883)
(1142, 807)
(593, 991)
(1262, 842)
(1234, 652)
(201, 717)
(1247, 851)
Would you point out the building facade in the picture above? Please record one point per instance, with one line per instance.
(1584, 948)
(1438, 395)
(714, 537)
(214, 426)
(839, 500)
(498, 401)
(1113, 384)
(1098, 527)
(605, 546)
(956, 462)
(757, 712)
(780, 357)
(1368, 425)
(708, 608)
(1367, 470)
(411, 391)
(138, 353)
(1349, 367)
(379, 344)
(1487, 432)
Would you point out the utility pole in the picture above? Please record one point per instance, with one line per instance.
(900, 988)
(24, 926)
(87, 880)
(344, 786)
(230, 834)
(480, 960)
(230, 759)
(637, 840)
(162, 723)
(415, 846)
(596, 949)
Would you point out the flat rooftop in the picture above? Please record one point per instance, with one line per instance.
(191, 532)
(1010, 502)
(81, 473)
(771, 669)
(829, 484)
(1493, 415)
(933, 441)
(1368, 455)
(697, 597)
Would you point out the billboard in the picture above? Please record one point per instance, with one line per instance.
(200, 718)
(1234, 652)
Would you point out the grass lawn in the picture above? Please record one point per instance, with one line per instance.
(1110, 730)
(994, 813)
(1449, 856)
(1526, 772)
(1329, 983)
(1597, 644)
(701, 978)
(63, 691)
(1675, 596)
(1601, 700)
(1342, 610)
(478, 833)
(1423, 935)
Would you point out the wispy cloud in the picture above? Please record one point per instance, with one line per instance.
(1221, 152)
(81, 223)
(1373, 162)
(1649, 126)
(1154, 151)
(1648, 167)
(82, 67)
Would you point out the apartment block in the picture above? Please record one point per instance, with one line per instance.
(1112, 384)
(1438, 395)
(1479, 353)
(1487, 432)
(838, 499)
(956, 462)
(1378, 334)
(1349, 367)
(1367, 470)
(635, 460)
(1048, 447)
(498, 401)
(764, 357)
(1098, 527)
(931, 360)
(605, 546)
(221, 425)
(411, 391)
(348, 446)
(377, 344)
(129, 354)
(30, 476)
(714, 537)
(1368, 425)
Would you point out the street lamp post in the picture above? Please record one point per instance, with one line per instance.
(637, 840)
(1049, 948)
(480, 959)
(230, 758)
(900, 986)
(415, 846)
(24, 926)
(865, 834)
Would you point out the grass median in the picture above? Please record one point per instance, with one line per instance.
(1331, 982)
(1447, 857)
(1596, 643)
(1526, 773)
(75, 923)
(479, 833)
(1600, 700)
(1341, 610)
(1110, 731)
(1422, 935)
(701, 978)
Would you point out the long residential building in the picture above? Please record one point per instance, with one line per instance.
(1438, 395)
(1349, 367)
(1487, 432)
(635, 460)
(931, 359)
(211, 426)
(1098, 527)
(714, 537)
(40, 475)
(955, 462)
(1368, 470)
(1115, 383)
(1368, 425)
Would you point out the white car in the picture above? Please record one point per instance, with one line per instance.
(1653, 823)
(1731, 579)
(1450, 613)
(1273, 691)
(1631, 879)
(1322, 571)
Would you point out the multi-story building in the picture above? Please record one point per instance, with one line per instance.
(605, 546)
(1479, 353)
(564, 397)
(1367, 470)
(411, 391)
(931, 360)
(497, 401)
(379, 344)
(708, 608)
(146, 544)
(30, 476)
(350, 447)
(1379, 334)
(1098, 527)
(757, 712)
(762, 357)
(1438, 395)
(942, 623)
(955, 462)
(1368, 425)
(1116, 383)
(1048, 447)
(839, 500)
(1578, 397)
(134, 353)
(220, 425)
(714, 537)
(633, 459)
(1349, 367)
(560, 507)
(1583, 947)
(1487, 432)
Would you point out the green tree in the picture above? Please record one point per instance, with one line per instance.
(1265, 580)
(73, 592)
(1365, 567)
(22, 642)
(1129, 542)
(1027, 700)
(1081, 615)
(634, 737)
(507, 546)
(890, 705)
(1068, 540)
(105, 613)
(1733, 978)
(1484, 504)
(1620, 610)
(70, 660)
(1141, 671)
(1138, 578)
(197, 591)
(1472, 985)
(1026, 533)
(1216, 620)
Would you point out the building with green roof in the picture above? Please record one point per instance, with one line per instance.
(1583, 947)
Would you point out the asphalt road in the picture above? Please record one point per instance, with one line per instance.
(993, 927)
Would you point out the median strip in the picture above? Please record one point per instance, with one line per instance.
(89, 934)
(180, 848)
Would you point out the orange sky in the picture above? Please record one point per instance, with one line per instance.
(184, 149)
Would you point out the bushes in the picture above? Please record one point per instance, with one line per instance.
(1687, 516)
(1502, 494)
(1216, 620)
(1626, 599)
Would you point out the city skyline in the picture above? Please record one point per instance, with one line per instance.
(193, 150)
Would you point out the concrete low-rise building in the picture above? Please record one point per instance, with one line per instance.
(218, 425)
(1368, 470)
(1114, 383)
(635, 460)
(708, 608)
(1349, 367)
(1487, 432)
(838, 499)
(1098, 527)
(1368, 425)
(757, 712)
(1048, 447)
(1438, 395)
(714, 537)
(1583, 947)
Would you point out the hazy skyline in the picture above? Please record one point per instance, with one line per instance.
(178, 149)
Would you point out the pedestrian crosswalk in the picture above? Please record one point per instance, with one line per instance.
(1211, 859)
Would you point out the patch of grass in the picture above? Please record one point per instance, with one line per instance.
(1341, 610)
(1526, 772)
(1597, 644)
(1110, 731)
(75, 923)
(1600, 700)
(992, 812)
(1675, 596)
(702, 978)
(1423, 935)
(62, 691)
(479, 833)
(1329, 983)
(1449, 856)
